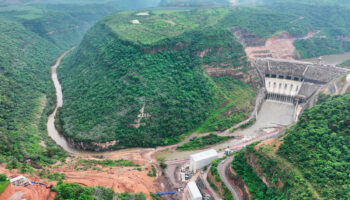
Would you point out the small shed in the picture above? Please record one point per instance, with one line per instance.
(199, 160)
(194, 192)
(19, 180)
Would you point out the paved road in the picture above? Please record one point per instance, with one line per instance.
(221, 169)
(207, 185)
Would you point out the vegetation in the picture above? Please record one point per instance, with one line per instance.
(152, 172)
(55, 176)
(3, 185)
(127, 71)
(345, 64)
(73, 191)
(226, 195)
(3, 177)
(255, 185)
(31, 38)
(202, 142)
(318, 145)
(193, 3)
(249, 123)
(3, 182)
(328, 21)
(312, 161)
(87, 164)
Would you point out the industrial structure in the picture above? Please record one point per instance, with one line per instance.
(293, 82)
(199, 160)
(19, 180)
(193, 191)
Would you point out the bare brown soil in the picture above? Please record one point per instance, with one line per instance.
(120, 179)
(280, 46)
(275, 47)
(35, 192)
(265, 142)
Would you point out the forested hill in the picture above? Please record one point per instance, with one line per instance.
(31, 39)
(139, 62)
(141, 83)
(311, 162)
(194, 3)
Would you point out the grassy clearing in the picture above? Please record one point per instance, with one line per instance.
(202, 142)
(87, 164)
(239, 97)
(3, 185)
(154, 27)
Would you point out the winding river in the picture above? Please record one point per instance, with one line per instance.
(53, 133)
(270, 116)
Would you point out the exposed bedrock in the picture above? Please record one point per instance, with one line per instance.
(250, 77)
(238, 182)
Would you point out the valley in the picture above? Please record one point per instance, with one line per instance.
(140, 91)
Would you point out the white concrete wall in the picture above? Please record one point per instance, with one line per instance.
(194, 192)
(282, 86)
(200, 163)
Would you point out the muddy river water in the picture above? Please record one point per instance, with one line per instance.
(272, 116)
(52, 131)
(334, 59)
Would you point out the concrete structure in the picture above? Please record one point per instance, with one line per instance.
(135, 21)
(193, 191)
(19, 180)
(199, 160)
(294, 81)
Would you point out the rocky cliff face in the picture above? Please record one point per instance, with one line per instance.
(92, 146)
(239, 182)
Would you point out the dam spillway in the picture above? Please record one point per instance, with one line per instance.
(294, 81)
(288, 87)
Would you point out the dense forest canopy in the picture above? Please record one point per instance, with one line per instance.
(31, 38)
(311, 163)
(119, 62)
(128, 69)
(319, 146)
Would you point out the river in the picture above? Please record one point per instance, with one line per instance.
(52, 131)
(334, 59)
(272, 115)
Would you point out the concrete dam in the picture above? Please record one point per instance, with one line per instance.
(294, 81)
(288, 87)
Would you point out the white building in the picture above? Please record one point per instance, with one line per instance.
(135, 21)
(202, 159)
(194, 192)
(19, 180)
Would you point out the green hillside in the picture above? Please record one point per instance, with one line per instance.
(73, 191)
(311, 163)
(132, 60)
(345, 64)
(155, 65)
(193, 3)
(26, 92)
(31, 39)
(318, 146)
